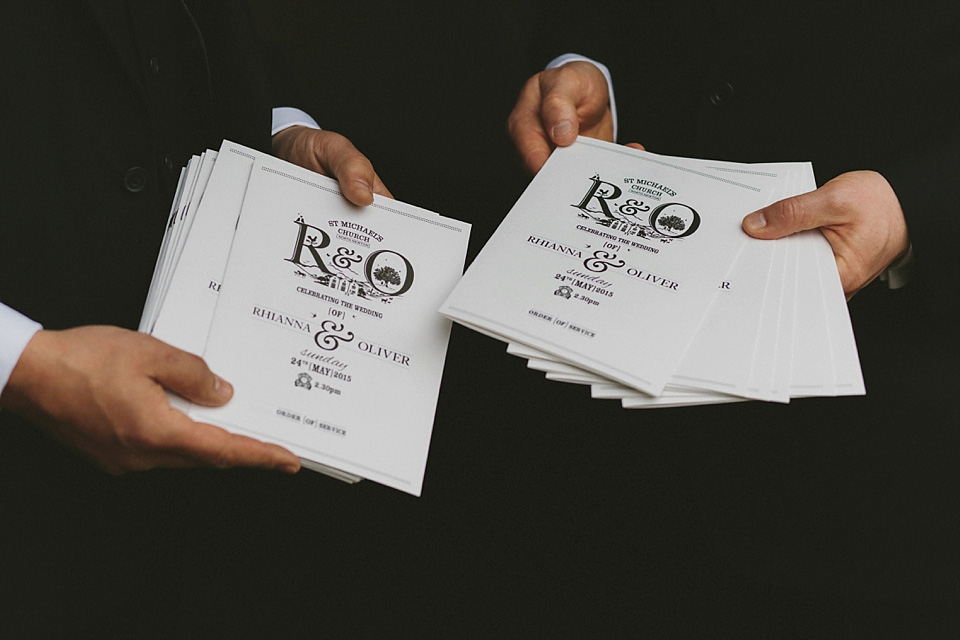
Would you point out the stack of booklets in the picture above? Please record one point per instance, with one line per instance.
(629, 271)
(322, 315)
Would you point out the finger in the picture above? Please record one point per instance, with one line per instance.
(636, 145)
(166, 437)
(576, 93)
(203, 444)
(187, 375)
(271, 457)
(526, 129)
(351, 168)
(562, 92)
(792, 215)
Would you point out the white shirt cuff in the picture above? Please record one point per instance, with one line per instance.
(16, 330)
(571, 57)
(284, 117)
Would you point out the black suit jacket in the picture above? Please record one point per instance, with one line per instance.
(104, 102)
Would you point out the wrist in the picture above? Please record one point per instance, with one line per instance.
(283, 141)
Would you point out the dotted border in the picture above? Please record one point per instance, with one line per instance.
(766, 174)
(243, 153)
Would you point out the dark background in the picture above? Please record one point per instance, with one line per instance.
(544, 513)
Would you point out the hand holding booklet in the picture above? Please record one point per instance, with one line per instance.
(629, 271)
(322, 315)
(620, 269)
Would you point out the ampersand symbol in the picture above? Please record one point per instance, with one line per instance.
(601, 260)
(330, 336)
(345, 258)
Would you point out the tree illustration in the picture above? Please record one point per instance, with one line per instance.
(675, 223)
(387, 275)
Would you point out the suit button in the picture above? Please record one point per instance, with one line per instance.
(154, 66)
(168, 163)
(721, 94)
(135, 179)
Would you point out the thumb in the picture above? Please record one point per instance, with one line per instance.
(351, 168)
(788, 216)
(189, 376)
(563, 91)
(575, 99)
(559, 114)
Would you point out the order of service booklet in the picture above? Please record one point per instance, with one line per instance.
(322, 315)
(628, 271)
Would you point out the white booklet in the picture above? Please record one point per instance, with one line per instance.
(610, 259)
(629, 271)
(323, 316)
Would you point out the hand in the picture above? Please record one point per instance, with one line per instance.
(332, 155)
(858, 213)
(555, 106)
(101, 390)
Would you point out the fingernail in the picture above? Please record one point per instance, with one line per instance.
(221, 387)
(290, 467)
(563, 129)
(363, 183)
(755, 221)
